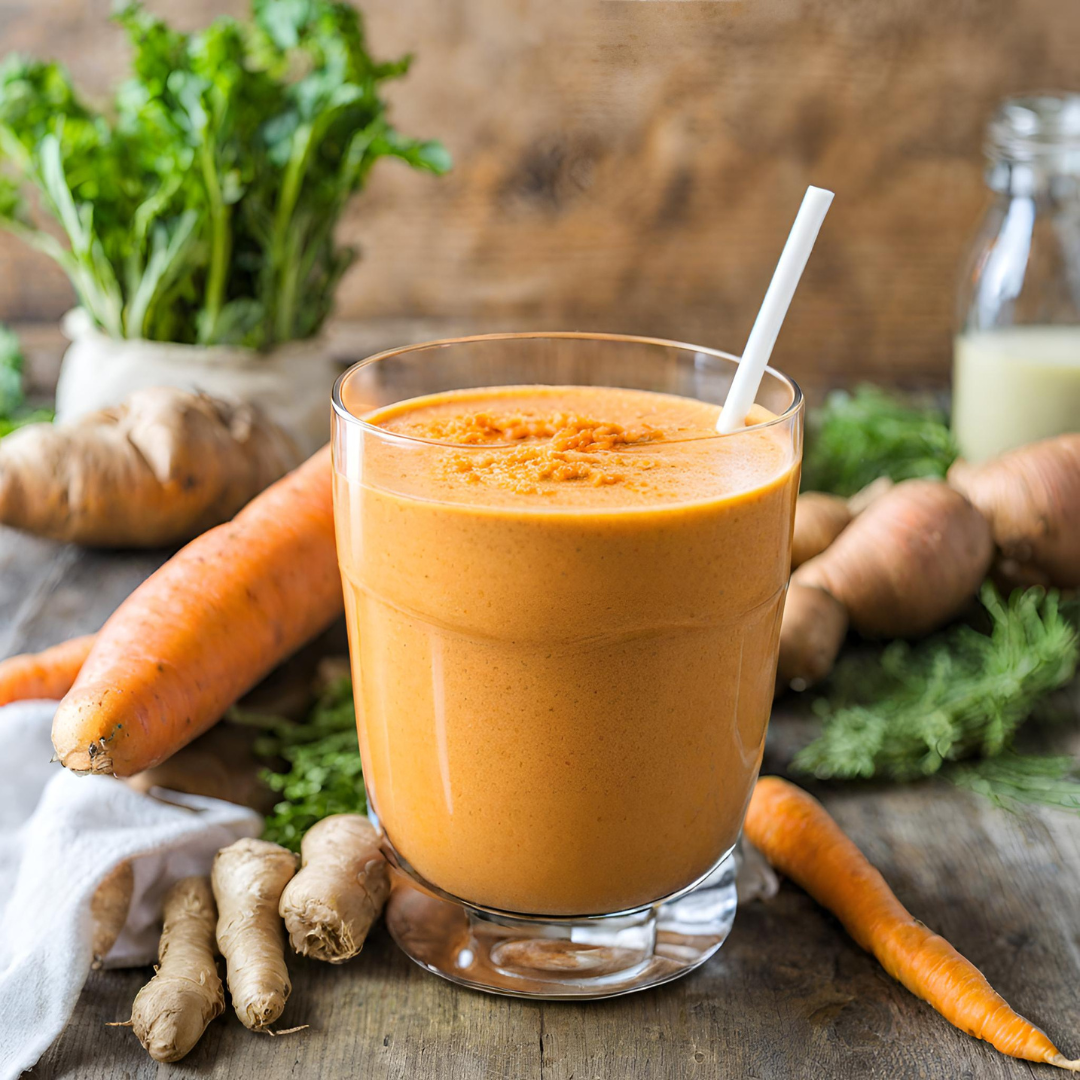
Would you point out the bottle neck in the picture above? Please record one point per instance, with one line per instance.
(1034, 179)
(1033, 146)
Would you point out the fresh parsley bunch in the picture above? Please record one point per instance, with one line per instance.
(203, 208)
(322, 774)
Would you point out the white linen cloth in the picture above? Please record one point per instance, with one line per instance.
(60, 834)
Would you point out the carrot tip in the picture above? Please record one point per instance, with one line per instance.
(1062, 1062)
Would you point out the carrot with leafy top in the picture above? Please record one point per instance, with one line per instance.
(799, 838)
(45, 674)
(204, 629)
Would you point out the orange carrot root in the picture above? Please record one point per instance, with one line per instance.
(864, 499)
(819, 520)
(815, 625)
(47, 674)
(212, 622)
(908, 563)
(904, 566)
(799, 838)
(1031, 497)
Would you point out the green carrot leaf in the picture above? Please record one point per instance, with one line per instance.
(908, 710)
(857, 437)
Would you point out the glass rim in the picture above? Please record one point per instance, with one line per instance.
(342, 412)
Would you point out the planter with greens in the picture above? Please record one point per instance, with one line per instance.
(198, 216)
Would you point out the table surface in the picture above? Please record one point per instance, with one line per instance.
(789, 995)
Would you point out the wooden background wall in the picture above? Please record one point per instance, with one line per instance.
(635, 165)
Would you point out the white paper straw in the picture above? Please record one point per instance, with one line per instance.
(785, 279)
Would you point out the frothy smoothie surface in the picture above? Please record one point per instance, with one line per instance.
(563, 613)
(596, 447)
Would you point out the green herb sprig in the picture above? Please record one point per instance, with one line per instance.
(1013, 780)
(202, 208)
(323, 774)
(854, 438)
(911, 709)
(14, 411)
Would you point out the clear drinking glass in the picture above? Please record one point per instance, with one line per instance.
(561, 708)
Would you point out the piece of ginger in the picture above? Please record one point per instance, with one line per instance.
(109, 909)
(248, 878)
(173, 1009)
(331, 904)
(157, 470)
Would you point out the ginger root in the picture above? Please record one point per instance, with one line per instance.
(248, 878)
(109, 908)
(1031, 497)
(819, 519)
(173, 1009)
(905, 566)
(330, 905)
(158, 470)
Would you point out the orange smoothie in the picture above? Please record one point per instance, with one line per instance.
(563, 608)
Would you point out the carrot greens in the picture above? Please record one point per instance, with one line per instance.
(858, 436)
(910, 710)
(1011, 780)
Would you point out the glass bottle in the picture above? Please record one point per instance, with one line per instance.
(1016, 366)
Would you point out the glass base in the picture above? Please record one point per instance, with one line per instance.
(563, 958)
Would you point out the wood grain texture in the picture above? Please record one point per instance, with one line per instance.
(635, 166)
(50, 591)
(789, 995)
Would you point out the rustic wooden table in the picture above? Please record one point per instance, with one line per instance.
(788, 996)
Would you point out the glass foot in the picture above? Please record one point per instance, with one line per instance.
(580, 958)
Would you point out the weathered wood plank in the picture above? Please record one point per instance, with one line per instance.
(635, 166)
(788, 995)
(51, 591)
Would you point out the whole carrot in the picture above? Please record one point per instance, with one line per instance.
(799, 838)
(45, 674)
(205, 628)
